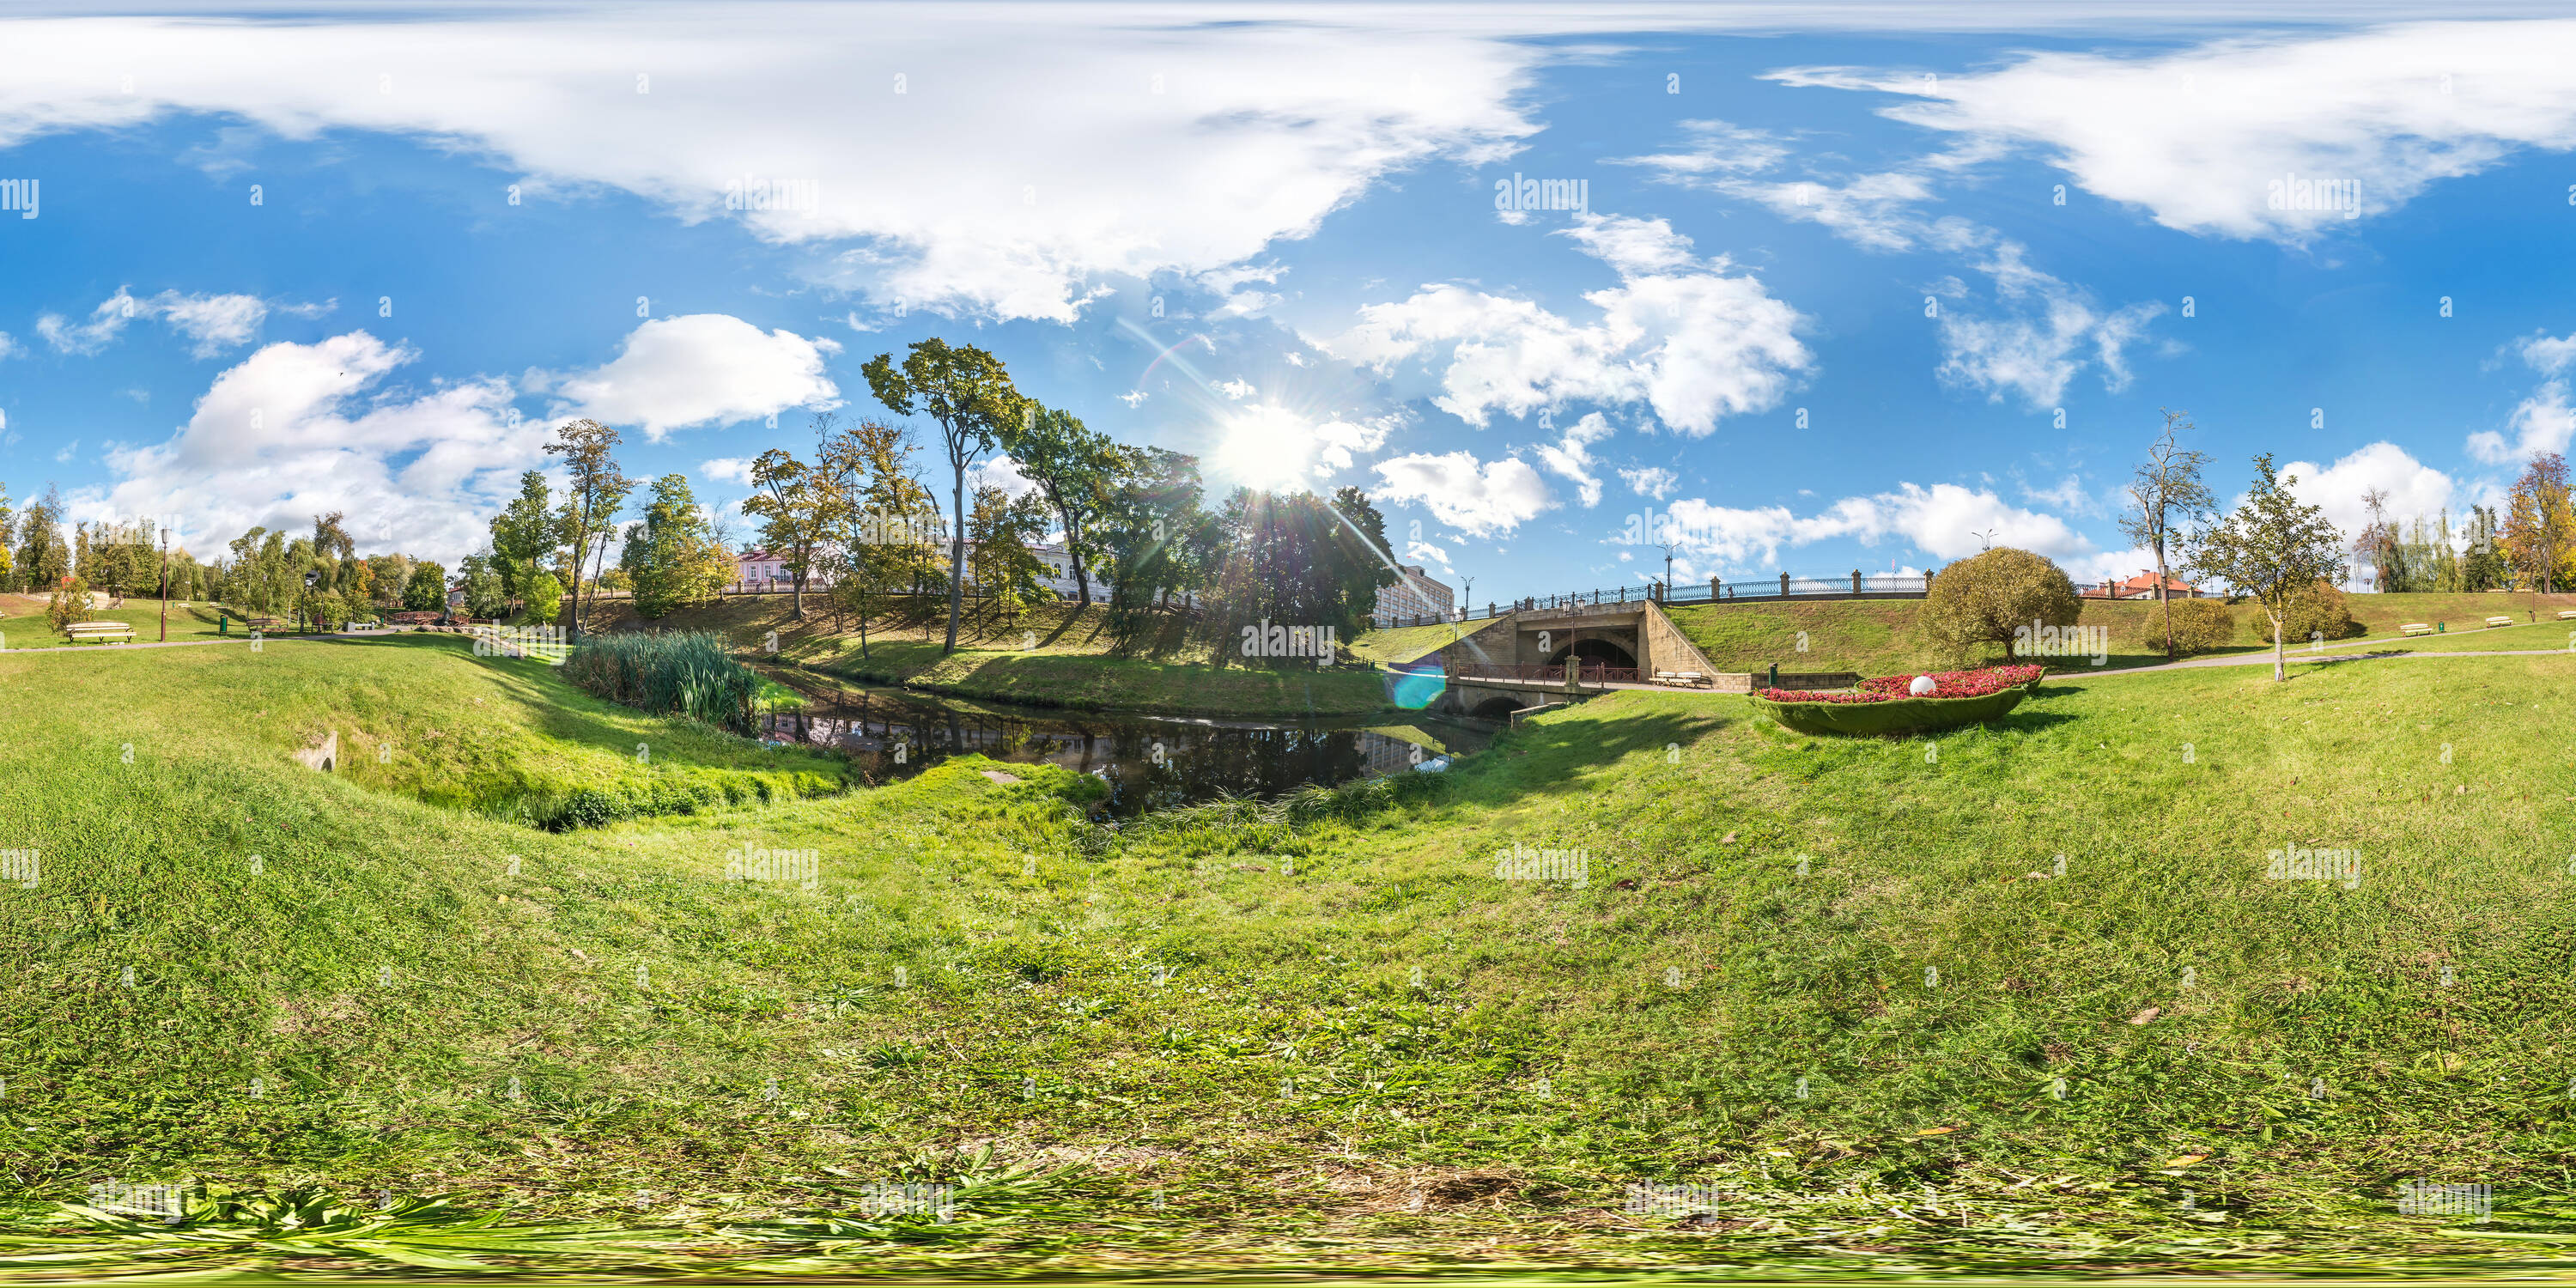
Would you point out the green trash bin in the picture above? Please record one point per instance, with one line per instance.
(2441, 628)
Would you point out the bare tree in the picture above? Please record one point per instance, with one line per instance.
(2166, 494)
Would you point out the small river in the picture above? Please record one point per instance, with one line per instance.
(1150, 762)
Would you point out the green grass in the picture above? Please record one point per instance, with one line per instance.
(25, 625)
(1408, 643)
(1878, 637)
(1323, 1032)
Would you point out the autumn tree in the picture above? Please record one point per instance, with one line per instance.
(2538, 528)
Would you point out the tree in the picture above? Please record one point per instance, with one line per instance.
(485, 595)
(1074, 468)
(2273, 549)
(673, 554)
(596, 491)
(970, 395)
(43, 559)
(2166, 493)
(2538, 527)
(526, 534)
(795, 510)
(544, 597)
(390, 575)
(1289, 562)
(1362, 563)
(884, 520)
(426, 592)
(1983, 598)
(1160, 537)
(2483, 567)
(1008, 578)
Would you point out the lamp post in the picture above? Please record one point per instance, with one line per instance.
(165, 585)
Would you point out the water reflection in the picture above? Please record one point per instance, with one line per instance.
(1150, 762)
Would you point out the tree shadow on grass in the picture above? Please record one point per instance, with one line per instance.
(1557, 758)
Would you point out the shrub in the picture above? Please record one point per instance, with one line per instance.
(69, 604)
(1980, 600)
(2199, 626)
(2318, 610)
(589, 807)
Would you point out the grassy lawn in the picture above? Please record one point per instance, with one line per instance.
(1056, 655)
(1878, 637)
(1815, 977)
(24, 625)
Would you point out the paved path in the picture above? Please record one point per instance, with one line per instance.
(2306, 655)
(231, 639)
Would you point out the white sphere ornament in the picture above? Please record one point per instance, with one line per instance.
(1922, 686)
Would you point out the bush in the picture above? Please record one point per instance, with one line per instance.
(2318, 610)
(589, 807)
(1980, 600)
(2199, 626)
(69, 604)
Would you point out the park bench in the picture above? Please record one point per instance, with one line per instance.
(1683, 679)
(104, 631)
(2416, 628)
(2493, 622)
(2565, 613)
(261, 623)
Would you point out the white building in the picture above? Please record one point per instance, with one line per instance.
(1413, 595)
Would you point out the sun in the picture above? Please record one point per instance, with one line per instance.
(1267, 448)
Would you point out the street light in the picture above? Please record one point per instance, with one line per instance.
(165, 585)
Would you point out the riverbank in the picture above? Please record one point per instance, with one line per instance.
(1055, 655)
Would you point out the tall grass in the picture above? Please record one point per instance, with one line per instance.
(687, 673)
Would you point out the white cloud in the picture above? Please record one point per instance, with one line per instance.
(671, 373)
(1000, 471)
(2055, 331)
(1112, 141)
(2542, 422)
(1134, 397)
(1572, 460)
(213, 322)
(2067, 495)
(1480, 500)
(1944, 520)
(1653, 481)
(1681, 336)
(1237, 390)
(1425, 553)
(727, 469)
(2197, 136)
(2414, 488)
(296, 430)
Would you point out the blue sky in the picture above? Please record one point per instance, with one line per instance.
(1836, 297)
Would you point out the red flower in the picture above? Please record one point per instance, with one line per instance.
(1894, 688)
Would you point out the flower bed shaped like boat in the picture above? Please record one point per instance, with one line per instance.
(1882, 706)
